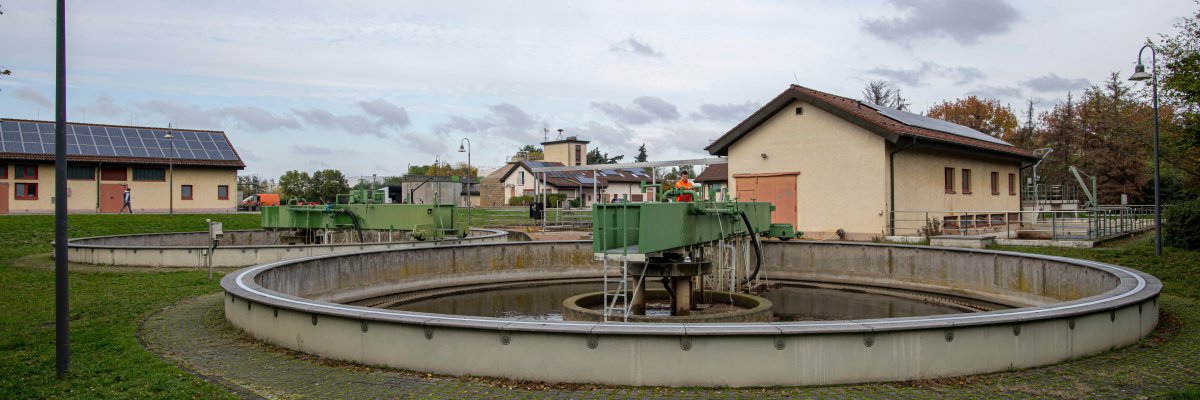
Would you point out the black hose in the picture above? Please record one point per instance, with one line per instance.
(758, 255)
(357, 227)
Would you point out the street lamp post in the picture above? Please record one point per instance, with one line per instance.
(171, 168)
(470, 175)
(1139, 74)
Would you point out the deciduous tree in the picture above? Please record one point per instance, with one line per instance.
(295, 185)
(984, 115)
(327, 184)
(1179, 71)
(535, 153)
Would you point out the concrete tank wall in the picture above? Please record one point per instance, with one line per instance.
(1081, 308)
(238, 249)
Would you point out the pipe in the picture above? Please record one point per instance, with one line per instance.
(758, 253)
(677, 192)
(666, 282)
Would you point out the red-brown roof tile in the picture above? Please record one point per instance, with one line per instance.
(859, 114)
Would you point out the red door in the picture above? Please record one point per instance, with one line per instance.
(111, 197)
(3, 198)
(777, 189)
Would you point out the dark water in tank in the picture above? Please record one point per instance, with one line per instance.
(791, 303)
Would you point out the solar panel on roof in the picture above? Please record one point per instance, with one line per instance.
(922, 121)
(88, 140)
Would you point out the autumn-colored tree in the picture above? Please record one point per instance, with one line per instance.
(984, 115)
(1061, 130)
(1113, 124)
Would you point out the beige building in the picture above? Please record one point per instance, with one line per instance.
(715, 179)
(104, 160)
(831, 163)
(602, 185)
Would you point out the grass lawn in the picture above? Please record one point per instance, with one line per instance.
(107, 306)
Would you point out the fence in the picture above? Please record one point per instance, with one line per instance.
(1091, 224)
(519, 216)
(1052, 193)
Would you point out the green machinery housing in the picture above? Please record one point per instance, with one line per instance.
(365, 210)
(677, 242)
(648, 228)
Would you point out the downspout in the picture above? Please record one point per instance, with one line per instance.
(1021, 185)
(99, 169)
(892, 186)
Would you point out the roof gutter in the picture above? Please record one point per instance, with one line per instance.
(892, 186)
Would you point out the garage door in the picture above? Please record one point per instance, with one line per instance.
(777, 189)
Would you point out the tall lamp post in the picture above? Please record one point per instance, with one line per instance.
(171, 167)
(1139, 74)
(470, 175)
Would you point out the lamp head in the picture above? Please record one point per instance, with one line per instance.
(461, 149)
(168, 136)
(1139, 73)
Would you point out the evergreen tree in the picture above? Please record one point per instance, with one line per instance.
(1112, 119)
(594, 156)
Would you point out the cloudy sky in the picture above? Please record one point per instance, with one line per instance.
(373, 86)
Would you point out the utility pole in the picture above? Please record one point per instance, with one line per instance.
(62, 304)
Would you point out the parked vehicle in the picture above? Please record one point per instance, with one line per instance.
(254, 201)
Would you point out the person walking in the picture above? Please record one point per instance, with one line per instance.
(125, 200)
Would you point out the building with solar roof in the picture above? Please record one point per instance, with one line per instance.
(604, 185)
(104, 160)
(832, 163)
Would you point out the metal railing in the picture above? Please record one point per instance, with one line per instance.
(1096, 223)
(519, 216)
(1052, 193)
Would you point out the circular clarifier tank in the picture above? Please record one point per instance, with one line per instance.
(791, 301)
(844, 313)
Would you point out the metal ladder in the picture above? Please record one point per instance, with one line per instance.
(616, 276)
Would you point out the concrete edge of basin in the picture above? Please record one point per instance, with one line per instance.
(784, 353)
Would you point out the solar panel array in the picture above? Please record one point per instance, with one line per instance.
(583, 177)
(108, 141)
(922, 121)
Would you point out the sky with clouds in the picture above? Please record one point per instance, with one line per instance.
(374, 86)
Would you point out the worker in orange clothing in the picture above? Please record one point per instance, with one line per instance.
(683, 184)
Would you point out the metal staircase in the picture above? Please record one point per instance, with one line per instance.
(617, 304)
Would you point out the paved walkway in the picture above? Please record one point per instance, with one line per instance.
(195, 335)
